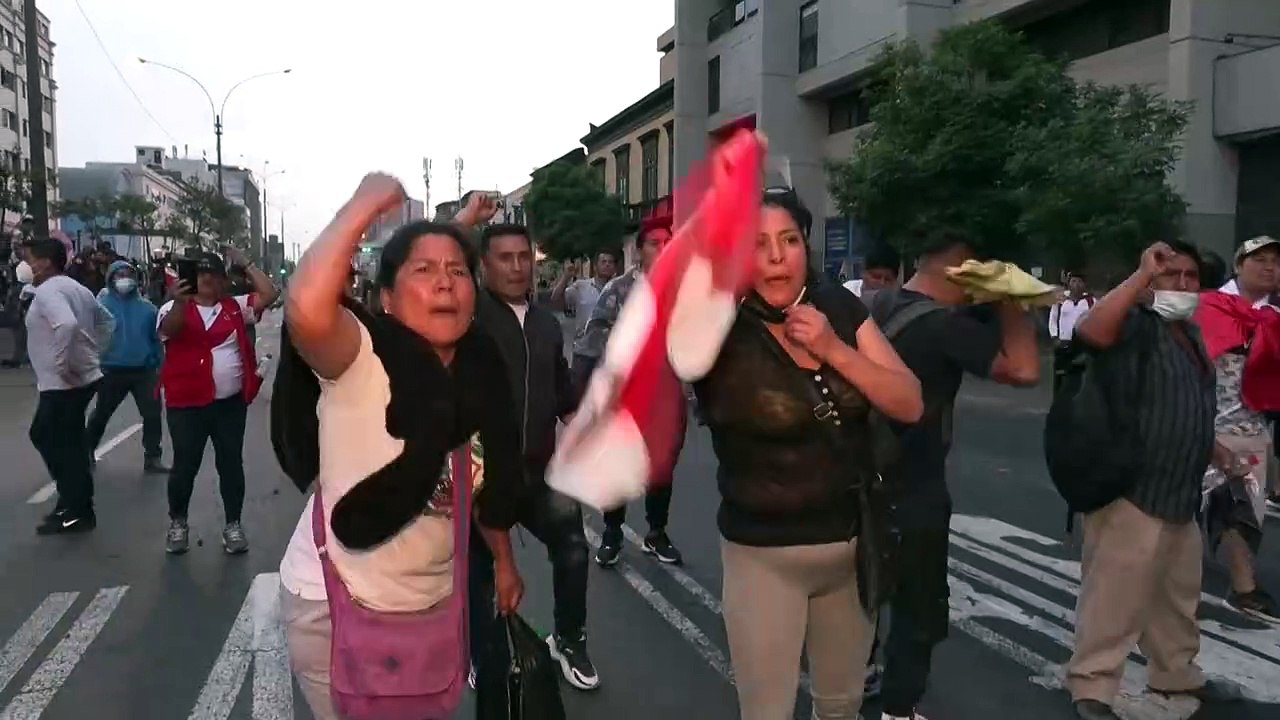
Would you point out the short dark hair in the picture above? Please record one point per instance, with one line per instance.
(1182, 247)
(398, 247)
(662, 222)
(941, 240)
(884, 257)
(501, 230)
(49, 249)
(613, 254)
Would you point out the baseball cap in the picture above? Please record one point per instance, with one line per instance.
(1253, 245)
(207, 262)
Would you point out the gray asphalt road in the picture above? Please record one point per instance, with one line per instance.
(105, 625)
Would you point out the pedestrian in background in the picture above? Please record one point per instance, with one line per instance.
(653, 236)
(209, 376)
(129, 364)
(65, 326)
(1063, 317)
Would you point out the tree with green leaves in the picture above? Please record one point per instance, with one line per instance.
(985, 136)
(211, 219)
(94, 213)
(137, 215)
(570, 215)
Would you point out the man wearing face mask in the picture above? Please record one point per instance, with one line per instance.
(129, 363)
(1141, 573)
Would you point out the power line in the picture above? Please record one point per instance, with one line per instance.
(107, 53)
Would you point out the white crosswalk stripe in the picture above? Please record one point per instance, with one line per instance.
(1247, 657)
(1011, 590)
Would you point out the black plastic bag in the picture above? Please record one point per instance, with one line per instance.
(516, 679)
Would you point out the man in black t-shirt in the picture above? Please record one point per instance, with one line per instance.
(945, 340)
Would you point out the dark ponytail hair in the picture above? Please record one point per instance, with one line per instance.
(398, 247)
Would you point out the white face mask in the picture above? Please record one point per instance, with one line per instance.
(1174, 304)
(124, 286)
(23, 273)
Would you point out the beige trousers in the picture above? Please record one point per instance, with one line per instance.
(780, 601)
(1140, 581)
(309, 633)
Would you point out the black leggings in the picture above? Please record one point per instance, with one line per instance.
(221, 421)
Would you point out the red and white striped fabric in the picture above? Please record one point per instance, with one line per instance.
(625, 435)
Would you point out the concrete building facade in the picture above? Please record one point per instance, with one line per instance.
(16, 142)
(794, 69)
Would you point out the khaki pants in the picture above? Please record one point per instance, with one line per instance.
(309, 634)
(779, 601)
(1140, 581)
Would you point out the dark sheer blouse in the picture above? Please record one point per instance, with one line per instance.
(786, 476)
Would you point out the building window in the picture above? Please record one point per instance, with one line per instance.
(848, 111)
(597, 167)
(48, 139)
(23, 83)
(671, 157)
(10, 119)
(649, 167)
(622, 173)
(26, 164)
(25, 128)
(44, 68)
(1098, 26)
(48, 104)
(713, 85)
(809, 35)
(8, 79)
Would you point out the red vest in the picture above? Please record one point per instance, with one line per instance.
(186, 375)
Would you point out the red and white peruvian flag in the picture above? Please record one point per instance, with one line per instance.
(625, 435)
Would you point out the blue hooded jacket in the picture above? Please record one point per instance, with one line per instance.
(134, 342)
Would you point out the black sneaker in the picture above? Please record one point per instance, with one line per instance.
(574, 662)
(66, 523)
(1255, 603)
(609, 552)
(659, 545)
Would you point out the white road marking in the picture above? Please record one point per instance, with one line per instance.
(48, 678)
(678, 620)
(272, 678)
(1248, 658)
(18, 650)
(704, 596)
(49, 489)
(250, 640)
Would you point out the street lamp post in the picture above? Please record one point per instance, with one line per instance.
(217, 111)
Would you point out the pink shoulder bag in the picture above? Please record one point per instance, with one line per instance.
(401, 665)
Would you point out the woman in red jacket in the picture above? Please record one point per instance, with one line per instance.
(209, 377)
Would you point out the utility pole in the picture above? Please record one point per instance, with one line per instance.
(457, 166)
(38, 204)
(426, 179)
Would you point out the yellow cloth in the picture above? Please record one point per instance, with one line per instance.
(993, 281)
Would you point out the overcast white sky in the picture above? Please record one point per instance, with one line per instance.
(376, 85)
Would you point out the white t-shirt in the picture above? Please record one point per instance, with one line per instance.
(228, 370)
(582, 295)
(854, 286)
(412, 570)
(520, 310)
(1064, 316)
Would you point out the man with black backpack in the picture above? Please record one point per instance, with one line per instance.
(1150, 387)
(940, 340)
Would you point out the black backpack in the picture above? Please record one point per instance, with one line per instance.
(1091, 446)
